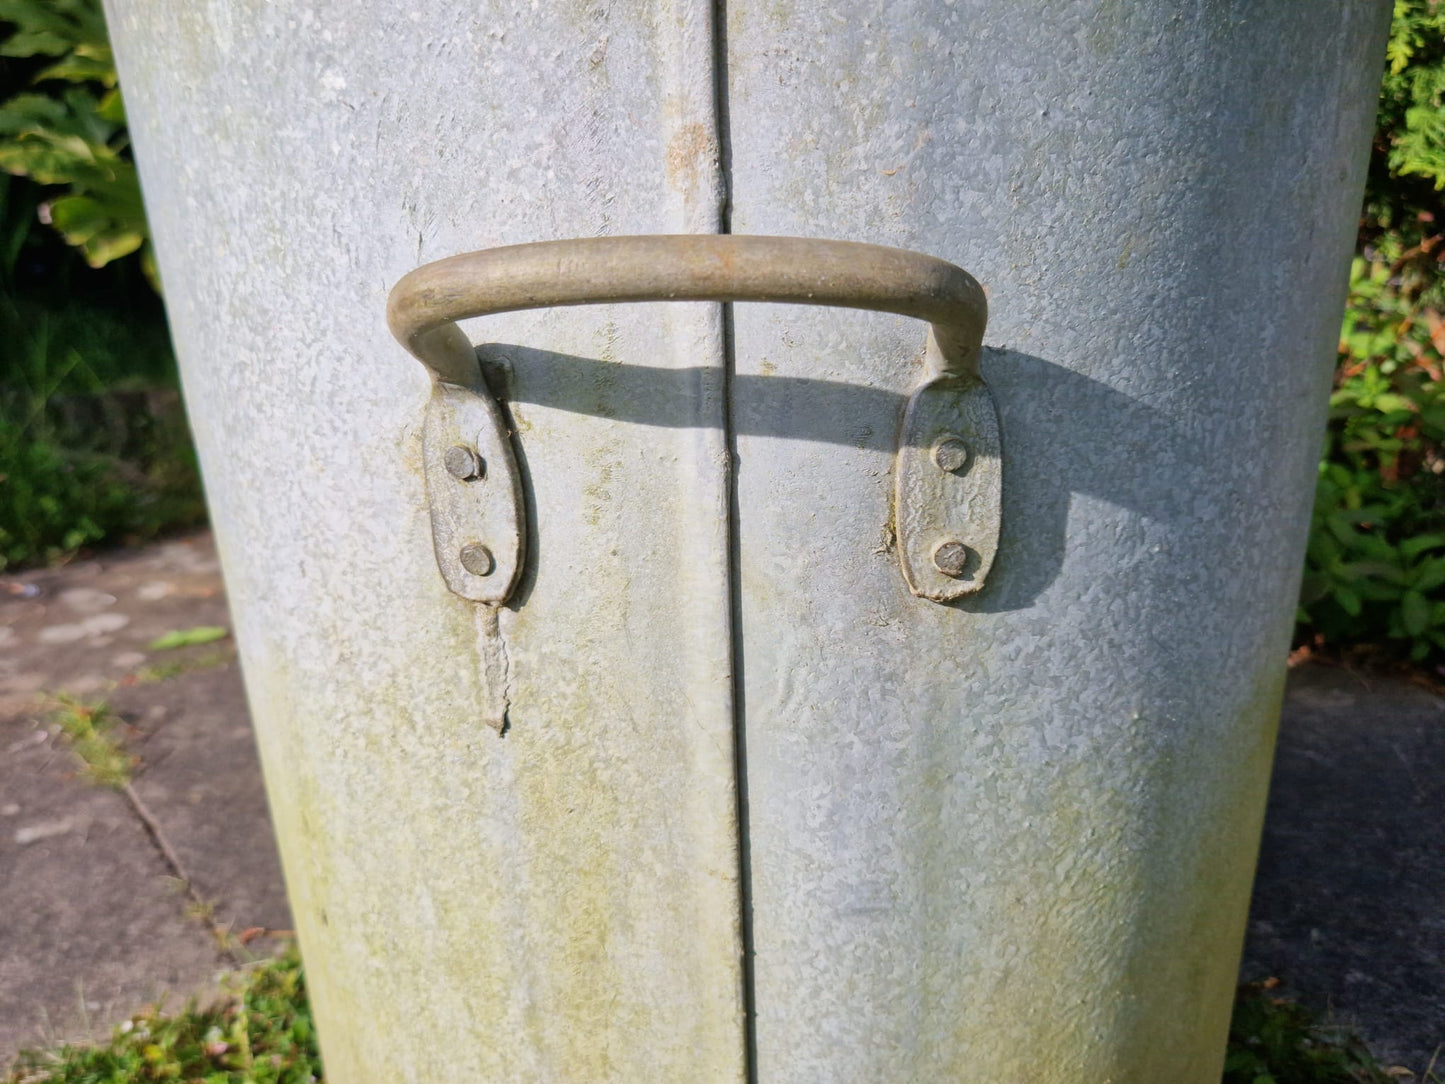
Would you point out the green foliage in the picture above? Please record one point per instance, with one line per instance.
(201, 634)
(90, 731)
(1412, 121)
(82, 459)
(75, 135)
(187, 664)
(1375, 569)
(79, 463)
(59, 499)
(1275, 1041)
(54, 503)
(262, 1034)
(1407, 166)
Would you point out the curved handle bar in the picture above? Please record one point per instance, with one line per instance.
(947, 477)
(424, 306)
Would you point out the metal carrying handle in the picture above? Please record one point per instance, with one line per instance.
(947, 481)
(424, 306)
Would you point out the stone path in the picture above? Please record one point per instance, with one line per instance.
(92, 923)
(1349, 900)
(1349, 907)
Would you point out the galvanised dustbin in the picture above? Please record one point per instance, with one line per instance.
(699, 692)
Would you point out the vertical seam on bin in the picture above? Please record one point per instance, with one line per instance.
(721, 126)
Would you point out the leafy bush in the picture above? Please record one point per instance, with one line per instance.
(59, 499)
(1375, 568)
(93, 443)
(1411, 123)
(91, 448)
(75, 136)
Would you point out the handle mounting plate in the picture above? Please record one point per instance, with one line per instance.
(948, 488)
(474, 492)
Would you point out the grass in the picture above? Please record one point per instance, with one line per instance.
(260, 1033)
(172, 668)
(1273, 1040)
(91, 732)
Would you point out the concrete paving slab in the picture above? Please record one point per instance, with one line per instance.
(90, 927)
(202, 783)
(92, 924)
(85, 626)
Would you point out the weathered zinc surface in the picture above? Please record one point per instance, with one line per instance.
(561, 903)
(1012, 839)
(1008, 838)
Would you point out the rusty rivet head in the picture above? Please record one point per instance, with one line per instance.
(477, 559)
(951, 558)
(950, 454)
(463, 462)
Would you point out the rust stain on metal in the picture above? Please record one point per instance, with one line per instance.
(690, 150)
